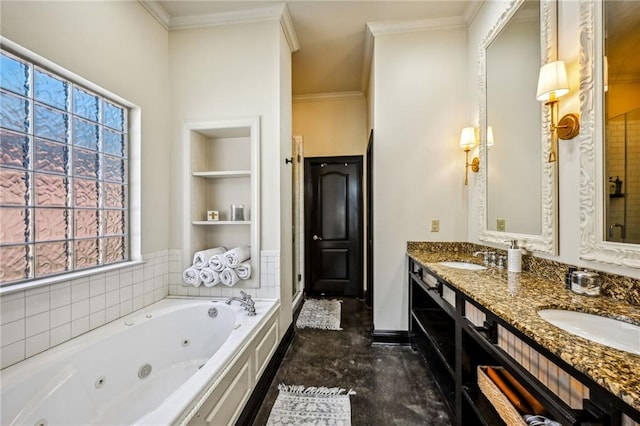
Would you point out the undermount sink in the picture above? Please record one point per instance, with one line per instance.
(606, 331)
(463, 265)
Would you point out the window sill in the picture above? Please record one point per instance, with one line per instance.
(42, 282)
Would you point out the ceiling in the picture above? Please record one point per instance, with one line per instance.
(332, 34)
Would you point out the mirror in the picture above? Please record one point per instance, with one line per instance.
(610, 109)
(517, 186)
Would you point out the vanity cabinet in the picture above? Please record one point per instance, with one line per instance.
(222, 167)
(456, 335)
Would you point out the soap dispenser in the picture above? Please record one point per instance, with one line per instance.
(514, 257)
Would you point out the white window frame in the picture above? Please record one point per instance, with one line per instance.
(134, 173)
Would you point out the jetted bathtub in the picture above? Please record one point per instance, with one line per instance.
(151, 367)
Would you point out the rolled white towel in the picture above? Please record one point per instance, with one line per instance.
(229, 277)
(201, 258)
(244, 270)
(191, 276)
(209, 277)
(236, 256)
(216, 262)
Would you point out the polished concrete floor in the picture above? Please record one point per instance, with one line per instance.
(392, 383)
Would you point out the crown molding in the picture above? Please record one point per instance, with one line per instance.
(158, 12)
(288, 29)
(400, 27)
(471, 11)
(367, 59)
(327, 97)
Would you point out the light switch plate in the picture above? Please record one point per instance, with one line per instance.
(501, 225)
(435, 225)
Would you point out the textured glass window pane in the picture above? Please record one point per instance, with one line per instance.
(51, 156)
(14, 75)
(14, 150)
(51, 124)
(114, 169)
(113, 143)
(114, 221)
(15, 225)
(52, 224)
(50, 90)
(13, 187)
(15, 263)
(14, 112)
(86, 163)
(51, 190)
(114, 249)
(86, 223)
(86, 253)
(114, 195)
(113, 116)
(51, 258)
(85, 105)
(85, 193)
(85, 134)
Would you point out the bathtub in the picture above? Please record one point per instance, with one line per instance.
(155, 366)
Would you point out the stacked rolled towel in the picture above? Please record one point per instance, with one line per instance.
(236, 256)
(244, 270)
(209, 277)
(216, 262)
(229, 277)
(191, 276)
(201, 258)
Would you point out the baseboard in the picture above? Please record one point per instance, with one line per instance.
(391, 337)
(254, 403)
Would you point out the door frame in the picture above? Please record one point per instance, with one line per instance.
(308, 192)
(369, 213)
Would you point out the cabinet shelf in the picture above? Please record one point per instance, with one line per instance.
(220, 174)
(439, 330)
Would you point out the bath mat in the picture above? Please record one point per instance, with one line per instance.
(320, 313)
(297, 405)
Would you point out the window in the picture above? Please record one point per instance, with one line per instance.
(63, 174)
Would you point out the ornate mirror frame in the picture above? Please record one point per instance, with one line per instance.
(593, 246)
(546, 242)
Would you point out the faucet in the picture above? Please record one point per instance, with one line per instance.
(485, 256)
(245, 301)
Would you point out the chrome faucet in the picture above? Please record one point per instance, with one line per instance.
(245, 301)
(485, 256)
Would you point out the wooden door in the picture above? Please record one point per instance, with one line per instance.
(333, 225)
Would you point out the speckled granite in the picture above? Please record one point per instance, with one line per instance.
(517, 298)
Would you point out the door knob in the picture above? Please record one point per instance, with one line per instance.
(316, 238)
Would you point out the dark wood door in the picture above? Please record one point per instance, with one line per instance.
(333, 225)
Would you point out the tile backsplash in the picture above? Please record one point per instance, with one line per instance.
(35, 320)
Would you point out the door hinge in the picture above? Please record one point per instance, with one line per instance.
(299, 277)
(299, 158)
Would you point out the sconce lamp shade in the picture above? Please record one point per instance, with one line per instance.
(489, 136)
(552, 81)
(468, 138)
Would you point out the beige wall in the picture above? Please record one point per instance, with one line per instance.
(120, 47)
(418, 167)
(331, 127)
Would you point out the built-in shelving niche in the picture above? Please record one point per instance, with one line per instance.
(221, 168)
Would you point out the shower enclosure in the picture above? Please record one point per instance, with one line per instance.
(622, 191)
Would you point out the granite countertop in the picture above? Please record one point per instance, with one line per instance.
(517, 297)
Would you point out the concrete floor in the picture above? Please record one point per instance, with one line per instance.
(393, 385)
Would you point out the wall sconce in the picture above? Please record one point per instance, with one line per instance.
(468, 141)
(552, 84)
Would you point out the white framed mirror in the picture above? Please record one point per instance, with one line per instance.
(517, 186)
(609, 103)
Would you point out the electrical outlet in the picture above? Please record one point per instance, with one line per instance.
(435, 225)
(501, 225)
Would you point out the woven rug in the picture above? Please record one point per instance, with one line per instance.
(297, 405)
(320, 313)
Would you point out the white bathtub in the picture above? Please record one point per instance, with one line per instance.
(96, 378)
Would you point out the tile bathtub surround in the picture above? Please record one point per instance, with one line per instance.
(35, 320)
(269, 279)
(516, 298)
(614, 286)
